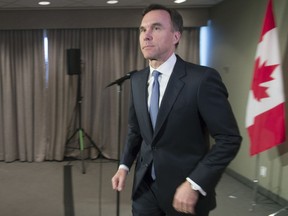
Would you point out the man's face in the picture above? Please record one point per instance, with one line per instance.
(157, 37)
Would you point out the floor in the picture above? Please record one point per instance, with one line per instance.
(37, 189)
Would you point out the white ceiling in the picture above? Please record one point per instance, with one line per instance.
(78, 4)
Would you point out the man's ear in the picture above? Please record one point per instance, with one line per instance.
(177, 36)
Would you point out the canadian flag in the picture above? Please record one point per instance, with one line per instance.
(265, 115)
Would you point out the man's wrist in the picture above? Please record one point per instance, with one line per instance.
(123, 166)
(196, 187)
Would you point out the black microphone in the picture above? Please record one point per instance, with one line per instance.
(130, 73)
(122, 79)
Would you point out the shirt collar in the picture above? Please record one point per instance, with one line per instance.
(167, 67)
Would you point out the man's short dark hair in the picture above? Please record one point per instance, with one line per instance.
(176, 18)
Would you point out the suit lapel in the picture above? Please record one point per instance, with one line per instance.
(142, 94)
(172, 91)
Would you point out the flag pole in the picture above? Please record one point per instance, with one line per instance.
(256, 183)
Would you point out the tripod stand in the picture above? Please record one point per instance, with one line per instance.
(79, 130)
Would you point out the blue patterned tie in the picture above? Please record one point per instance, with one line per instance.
(154, 107)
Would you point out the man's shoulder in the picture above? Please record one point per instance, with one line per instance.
(196, 68)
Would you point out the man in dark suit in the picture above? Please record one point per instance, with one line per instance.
(177, 170)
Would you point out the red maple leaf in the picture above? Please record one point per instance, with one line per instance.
(262, 74)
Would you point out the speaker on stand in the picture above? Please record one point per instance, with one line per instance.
(74, 68)
(73, 61)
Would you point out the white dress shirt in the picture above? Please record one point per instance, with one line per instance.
(166, 70)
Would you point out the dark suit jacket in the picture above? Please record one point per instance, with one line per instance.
(194, 105)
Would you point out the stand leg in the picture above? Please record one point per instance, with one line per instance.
(256, 181)
(82, 150)
(81, 146)
(281, 210)
(95, 146)
(254, 201)
(81, 134)
(71, 137)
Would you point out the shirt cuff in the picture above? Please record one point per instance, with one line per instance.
(196, 187)
(122, 166)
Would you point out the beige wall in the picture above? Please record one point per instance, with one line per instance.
(235, 31)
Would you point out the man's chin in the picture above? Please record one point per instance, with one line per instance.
(150, 57)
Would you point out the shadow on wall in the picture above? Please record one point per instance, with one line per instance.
(282, 30)
(283, 149)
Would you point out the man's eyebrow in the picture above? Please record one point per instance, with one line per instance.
(157, 24)
(153, 25)
(141, 28)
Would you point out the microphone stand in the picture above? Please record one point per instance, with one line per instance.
(119, 83)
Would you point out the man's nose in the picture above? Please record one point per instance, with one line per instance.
(148, 35)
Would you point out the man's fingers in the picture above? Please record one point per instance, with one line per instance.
(120, 185)
(182, 206)
(118, 180)
(115, 183)
(185, 199)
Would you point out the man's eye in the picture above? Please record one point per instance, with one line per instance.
(157, 28)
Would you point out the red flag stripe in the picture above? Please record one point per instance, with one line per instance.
(269, 22)
(267, 130)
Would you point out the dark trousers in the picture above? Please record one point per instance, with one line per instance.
(145, 202)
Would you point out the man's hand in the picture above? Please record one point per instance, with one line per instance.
(119, 179)
(185, 198)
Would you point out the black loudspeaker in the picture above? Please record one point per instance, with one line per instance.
(73, 61)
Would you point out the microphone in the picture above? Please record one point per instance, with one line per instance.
(122, 79)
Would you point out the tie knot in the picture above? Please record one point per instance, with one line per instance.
(155, 74)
